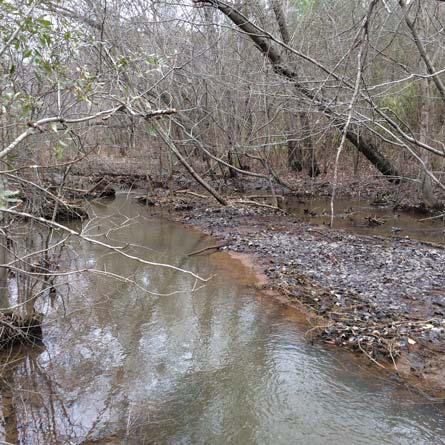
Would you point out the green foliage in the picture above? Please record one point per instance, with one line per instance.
(58, 151)
(153, 59)
(7, 197)
(44, 41)
(403, 104)
(151, 130)
(303, 7)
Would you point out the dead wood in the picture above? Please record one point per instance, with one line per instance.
(258, 204)
(217, 247)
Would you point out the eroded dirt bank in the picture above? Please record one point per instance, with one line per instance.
(384, 298)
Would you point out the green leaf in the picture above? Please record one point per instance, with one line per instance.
(6, 196)
(45, 23)
(9, 193)
(58, 151)
(152, 60)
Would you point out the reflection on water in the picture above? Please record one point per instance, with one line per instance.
(221, 365)
(361, 218)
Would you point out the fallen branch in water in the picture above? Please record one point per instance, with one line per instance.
(218, 246)
(441, 216)
(265, 197)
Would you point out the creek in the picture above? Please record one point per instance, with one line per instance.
(360, 217)
(217, 364)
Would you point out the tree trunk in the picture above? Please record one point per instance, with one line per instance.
(426, 184)
(285, 70)
(310, 162)
(367, 148)
(4, 291)
(190, 169)
(297, 158)
(294, 152)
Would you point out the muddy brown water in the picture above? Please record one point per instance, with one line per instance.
(222, 364)
(362, 218)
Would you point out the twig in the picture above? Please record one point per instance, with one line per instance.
(442, 215)
(259, 204)
(95, 186)
(369, 356)
(188, 192)
(264, 197)
(431, 244)
(217, 246)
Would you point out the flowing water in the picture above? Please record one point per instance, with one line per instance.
(220, 364)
